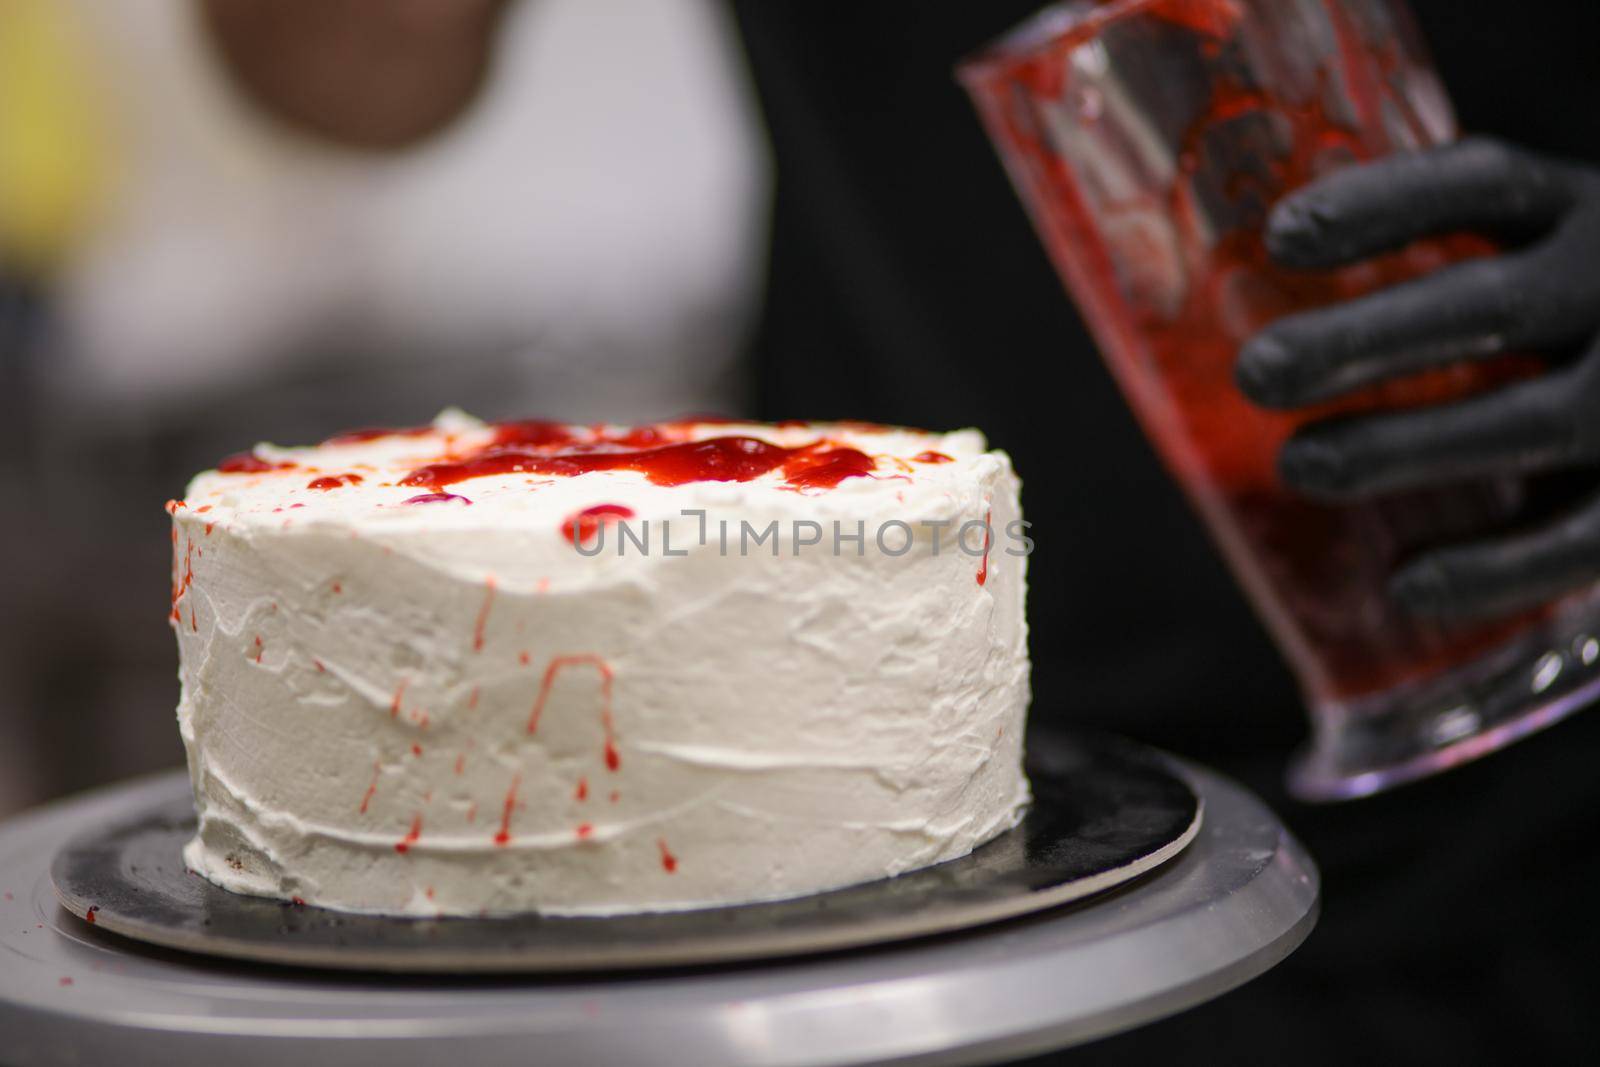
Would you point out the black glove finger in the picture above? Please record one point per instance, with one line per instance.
(1477, 184)
(1531, 425)
(1499, 577)
(1467, 310)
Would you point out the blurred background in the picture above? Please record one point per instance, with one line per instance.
(226, 221)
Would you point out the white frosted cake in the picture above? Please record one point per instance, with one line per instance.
(475, 669)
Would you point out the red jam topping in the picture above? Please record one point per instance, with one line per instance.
(587, 522)
(931, 457)
(662, 452)
(535, 432)
(716, 459)
(249, 463)
(649, 436)
(372, 433)
(827, 468)
(436, 498)
(333, 481)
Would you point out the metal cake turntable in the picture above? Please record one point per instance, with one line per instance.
(973, 960)
(1104, 813)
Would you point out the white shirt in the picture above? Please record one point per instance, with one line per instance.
(586, 241)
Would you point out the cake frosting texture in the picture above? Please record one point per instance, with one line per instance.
(470, 668)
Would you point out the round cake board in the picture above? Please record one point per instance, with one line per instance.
(1104, 813)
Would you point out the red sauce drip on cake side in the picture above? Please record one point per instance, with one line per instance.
(412, 836)
(612, 758)
(983, 568)
(182, 578)
(483, 619)
(503, 835)
(372, 787)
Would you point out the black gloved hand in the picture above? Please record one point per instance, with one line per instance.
(1543, 295)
